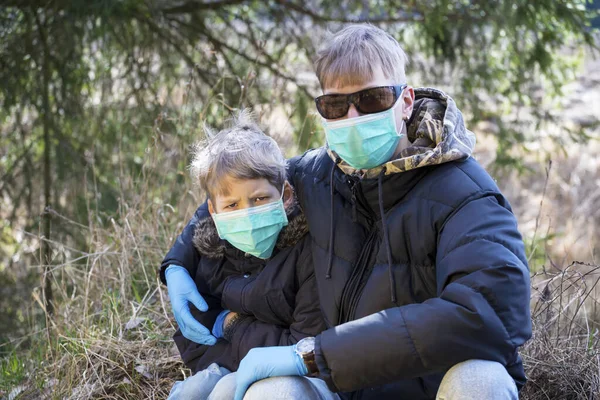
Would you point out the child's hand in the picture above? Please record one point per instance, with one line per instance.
(228, 319)
(182, 292)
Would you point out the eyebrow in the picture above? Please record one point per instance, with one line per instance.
(260, 193)
(228, 199)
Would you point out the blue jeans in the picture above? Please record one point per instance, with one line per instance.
(477, 379)
(216, 383)
(472, 379)
(200, 385)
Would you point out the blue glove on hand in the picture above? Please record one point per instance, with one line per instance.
(182, 292)
(266, 362)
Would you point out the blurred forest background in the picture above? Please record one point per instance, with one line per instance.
(101, 100)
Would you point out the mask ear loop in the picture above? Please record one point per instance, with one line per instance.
(394, 116)
(281, 198)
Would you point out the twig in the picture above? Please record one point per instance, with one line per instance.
(410, 17)
(537, 219)
(52, 211)
(137, 250)
(194, 6)
(162, 303)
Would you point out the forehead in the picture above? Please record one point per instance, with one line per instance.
(353, 83)
(231, 187)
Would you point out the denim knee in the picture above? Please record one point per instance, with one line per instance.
(477, 379)
(225, 388)
(289, 388)
(198, 386)
(281, 387)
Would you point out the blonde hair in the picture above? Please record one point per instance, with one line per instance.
(241, 151)
(349, 56)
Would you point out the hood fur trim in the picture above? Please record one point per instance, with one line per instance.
(207, 241)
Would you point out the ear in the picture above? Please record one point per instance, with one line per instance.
(408, 98)
(211, 209)
(288, 195)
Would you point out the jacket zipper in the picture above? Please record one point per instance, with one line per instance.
(351, 291)
(352, 285)
(358, 199)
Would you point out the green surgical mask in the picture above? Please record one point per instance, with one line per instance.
(364, 142)
(253, 230)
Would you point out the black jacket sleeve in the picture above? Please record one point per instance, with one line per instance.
(307, 318)
(250, 332)
(198, 356)
(481, 312)
(183, 252)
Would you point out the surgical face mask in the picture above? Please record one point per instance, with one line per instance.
(364, 142)
(253, 230)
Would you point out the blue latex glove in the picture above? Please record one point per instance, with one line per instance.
(217, 329)
(182, 292)
(266, 362)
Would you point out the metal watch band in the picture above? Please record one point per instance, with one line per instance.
(305, 348)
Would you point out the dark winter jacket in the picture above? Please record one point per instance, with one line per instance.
(277, 298)
(439, 279)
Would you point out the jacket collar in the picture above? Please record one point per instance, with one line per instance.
(207, 242)
(365, 196)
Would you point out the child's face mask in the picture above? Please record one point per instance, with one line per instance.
(253, 230)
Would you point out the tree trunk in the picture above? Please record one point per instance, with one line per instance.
(46, 250)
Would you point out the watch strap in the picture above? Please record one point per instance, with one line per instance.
(310, 363)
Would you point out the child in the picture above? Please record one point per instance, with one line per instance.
(256, 272)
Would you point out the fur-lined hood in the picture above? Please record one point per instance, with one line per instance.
(209, 244)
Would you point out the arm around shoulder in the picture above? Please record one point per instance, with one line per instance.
(183, 252)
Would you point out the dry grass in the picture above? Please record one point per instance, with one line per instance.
(110, 335)
(562, 360)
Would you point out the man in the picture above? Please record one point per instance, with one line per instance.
(420, 268)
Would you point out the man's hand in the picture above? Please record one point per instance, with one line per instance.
(182, 292)
(266, 362)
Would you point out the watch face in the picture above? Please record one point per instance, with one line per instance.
(306, 345)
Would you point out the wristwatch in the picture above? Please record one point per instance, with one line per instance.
(305, 348)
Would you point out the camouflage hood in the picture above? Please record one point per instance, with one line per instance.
(437, 134)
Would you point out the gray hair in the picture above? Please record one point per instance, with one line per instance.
(349, 56)
(240, 151)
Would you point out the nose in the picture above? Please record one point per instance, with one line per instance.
(352, 112)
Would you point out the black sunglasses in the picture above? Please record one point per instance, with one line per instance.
(366, 101)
